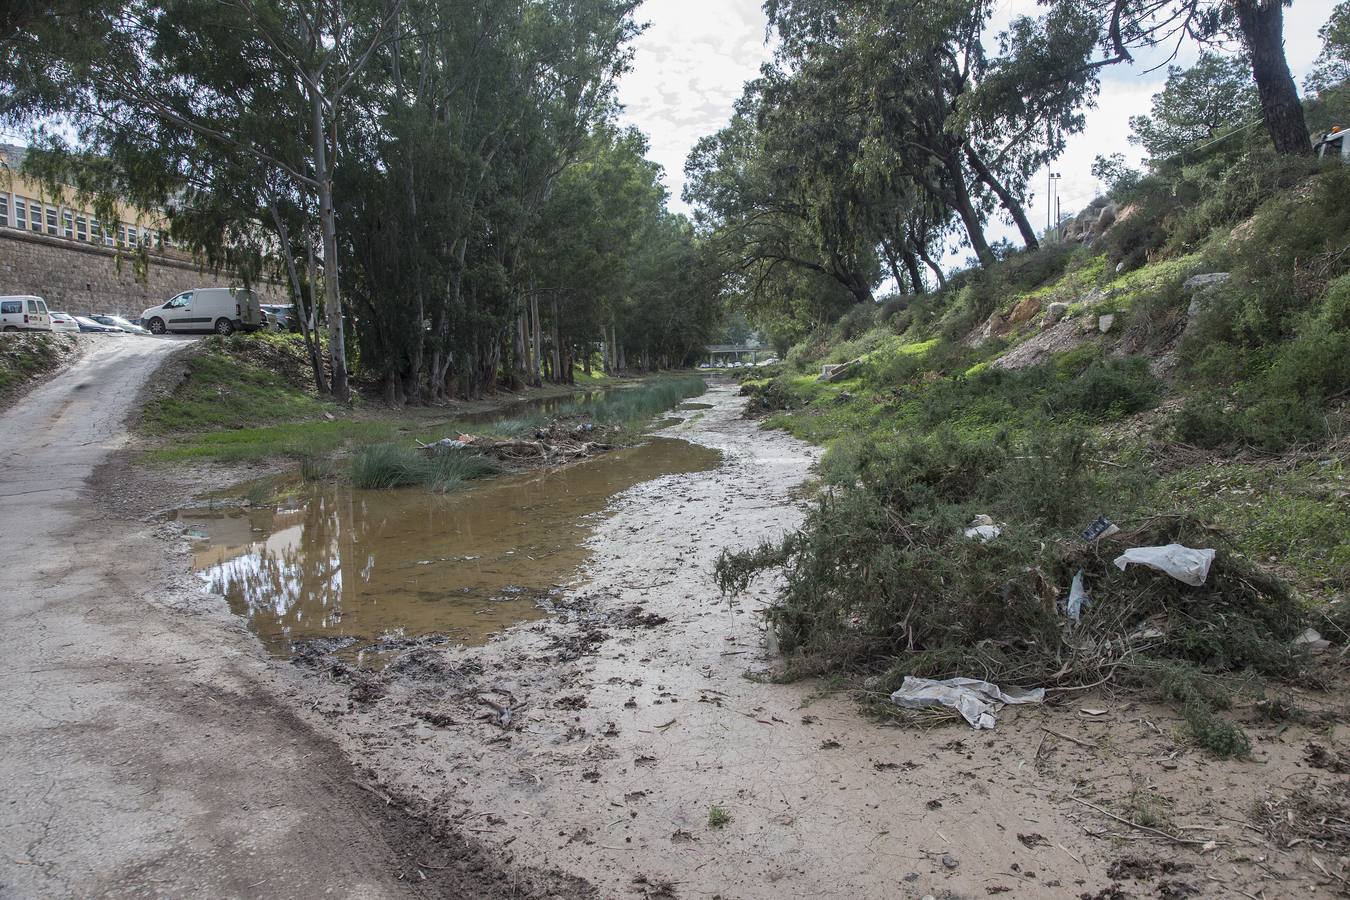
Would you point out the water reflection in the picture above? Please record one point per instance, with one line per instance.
(371, 564)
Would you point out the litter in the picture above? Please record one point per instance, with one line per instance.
(446, 444)
(1078, 597)
(1312, 639)
(1099, 529)
(983, 528)
(977, 701)
(1182, 563)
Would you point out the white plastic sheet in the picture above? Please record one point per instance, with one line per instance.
(1078, 597)
(1182, 563)
(977, 701)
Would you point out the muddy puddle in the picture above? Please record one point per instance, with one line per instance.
(370, 567)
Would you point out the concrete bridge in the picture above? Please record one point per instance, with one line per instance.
(723, 354)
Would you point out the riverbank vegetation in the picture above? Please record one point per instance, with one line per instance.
(1174, 358)
(248, 398)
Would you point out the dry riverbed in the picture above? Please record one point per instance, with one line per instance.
(630, 739)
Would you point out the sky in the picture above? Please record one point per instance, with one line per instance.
(690, 63)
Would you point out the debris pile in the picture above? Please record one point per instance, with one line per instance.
(559, 443)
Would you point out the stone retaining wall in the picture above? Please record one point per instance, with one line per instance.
(81, 278)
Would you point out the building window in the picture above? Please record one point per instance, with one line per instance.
(81, 228)
(4, 210)
(20, 213)
(51, 220)
(35, 215)
(67, 223)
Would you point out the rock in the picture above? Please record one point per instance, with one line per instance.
(1105, 322)
(1197, 283)
(1024, 311)
(1120, 267)
(829, 373)
(1194, 308)
(1053, 313)
(949, 861)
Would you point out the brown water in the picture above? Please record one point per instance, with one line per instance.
(377, 565)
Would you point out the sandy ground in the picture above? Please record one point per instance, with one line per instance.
(147, 746)
(150, 747)
(641, 705)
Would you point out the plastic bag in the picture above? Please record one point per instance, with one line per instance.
(975, 700)
(1182, 563)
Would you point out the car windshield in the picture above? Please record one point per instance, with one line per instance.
(84, 321)
(118, 320)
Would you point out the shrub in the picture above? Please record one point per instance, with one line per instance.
(1107, 390)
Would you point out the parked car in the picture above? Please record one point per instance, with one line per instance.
(282, 316)
(24, 313)
(1335, 144)
(119, 322)
(89, 326)
(64, 322)
(222, 310)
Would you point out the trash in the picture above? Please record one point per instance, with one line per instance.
(1078, 597)
(1182, 563)
(975, 700)
(983, 528)
(446, 444)
(1313, 640)
(1094, 713)
(1099, 529)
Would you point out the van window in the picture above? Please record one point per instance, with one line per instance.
(11, 307)
(180, 301)
(36, 306)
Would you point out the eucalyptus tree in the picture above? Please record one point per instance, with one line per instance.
(1124, 27)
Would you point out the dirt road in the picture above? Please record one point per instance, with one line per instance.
(146, 748)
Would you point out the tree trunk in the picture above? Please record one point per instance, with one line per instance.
(960, 197)
(337, 345)
(888, 251)
(558, 377)
(912, 266)
(1262, 26)
(311, 345)
(1005, 197)
(928, 261)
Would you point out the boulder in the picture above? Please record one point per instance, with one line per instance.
(1053, 313)
(1024, 311)
(1105, 322)
(1197, 283)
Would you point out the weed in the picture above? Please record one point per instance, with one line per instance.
(718, 817)
(386, 466)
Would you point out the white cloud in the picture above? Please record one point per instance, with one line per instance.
(688, 69)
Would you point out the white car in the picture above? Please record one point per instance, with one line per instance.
(64, 322)
(24, 313)
(222, 310)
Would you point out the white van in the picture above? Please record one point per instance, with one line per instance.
(222, 310)
(24, 313)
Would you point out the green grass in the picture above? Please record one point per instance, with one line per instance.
(718, 817)
(1293, 520)
(222, 390)
(386, 466)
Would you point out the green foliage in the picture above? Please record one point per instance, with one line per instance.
(1214, 96)
(718, 817)
(234, 383)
